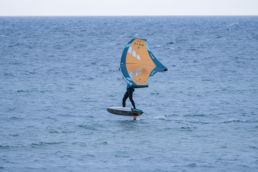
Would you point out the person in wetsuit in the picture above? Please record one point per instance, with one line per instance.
(129, 93)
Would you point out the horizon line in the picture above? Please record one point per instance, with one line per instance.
(194, 15)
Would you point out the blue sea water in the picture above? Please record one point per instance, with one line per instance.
(59, 74)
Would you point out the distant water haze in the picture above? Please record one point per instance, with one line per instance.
(126, 7)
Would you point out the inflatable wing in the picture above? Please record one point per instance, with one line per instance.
(138, 63)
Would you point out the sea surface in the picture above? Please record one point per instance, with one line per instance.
(59, 74)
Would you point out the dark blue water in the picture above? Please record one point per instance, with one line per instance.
(58, 76)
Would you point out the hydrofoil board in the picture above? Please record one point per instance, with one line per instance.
(125, 111)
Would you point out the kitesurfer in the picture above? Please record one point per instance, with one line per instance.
(129, 93)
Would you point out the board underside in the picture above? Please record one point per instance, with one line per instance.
(124, 111)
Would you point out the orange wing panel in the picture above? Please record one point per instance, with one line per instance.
(138, 62)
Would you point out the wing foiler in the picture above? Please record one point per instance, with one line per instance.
(138, 63)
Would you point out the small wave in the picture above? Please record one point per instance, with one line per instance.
(51, 118)
(14, 135)
(239, 121)
(15, 45)
(88, 127)
(223, 147)
(160, 117)
(104, 143)
(67, 131)
(53, 131)
(253, 147)
(206, 80)
(22, 91)
(88, 100)
(199, 122)
(66, 115)
(7, 147)
(187, 128)
(195, 115)
(218, 36)
(82, 144)
(8, 74)
(16, 118)
(233, 26)
(27, 90)
(192, 165)
(11, 109)
(192, 49)
(45, 144)
(232, 121)
(122, 156)
(90, 155)
(154, 93)
(4, 147)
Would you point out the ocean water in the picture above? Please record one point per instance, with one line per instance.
(59, 74)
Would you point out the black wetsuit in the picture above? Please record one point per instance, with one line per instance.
(129, 93)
